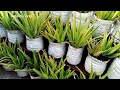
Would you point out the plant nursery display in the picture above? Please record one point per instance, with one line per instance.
(81, 16)
(105, 20)
(78, 38)
(56, 34)
(100, 51)
(32, 23)
(60, 44)
(13, 33)
(64, 14)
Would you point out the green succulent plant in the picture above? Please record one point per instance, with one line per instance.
(31, 22)
(78, 36)
(7, 20)
(107, 15)
(55, 30)
(105, 46)
(50, 69)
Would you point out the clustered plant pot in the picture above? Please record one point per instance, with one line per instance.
(34, 44)
(82, 16)
(114, 69)
(74, 55)
(94, 64)
(8, 68)
(65, 15)
(15, 35)
(57, 50)
(22, 73)
(3, 32)
(103, 26)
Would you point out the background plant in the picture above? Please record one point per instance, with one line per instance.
(78, 36)
(50, 69)
(7, 20)
(55, 30)
(107, 15)
(31, 22)
(104, 46)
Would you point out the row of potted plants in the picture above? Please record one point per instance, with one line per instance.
(39, 65)
(78, 36)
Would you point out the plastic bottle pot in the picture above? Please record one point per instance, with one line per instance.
(65, 15)
(22, 73)
(114, 69)
(33, 77)
(82, 17)
(15, 35)
(74, 55)
(34, 44)
(116, 31)
(3, 32)
(95, 65)
(8, 68)
(57, 50)
(103, 26)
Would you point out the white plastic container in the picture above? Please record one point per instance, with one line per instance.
(57, 50)
(3, 32)
(114, 69)
(95, 65)
(34, 44)
(74, 55)
(103, 26)
(116, 31)
(32, 77)
(65, 15)
(83, 17)
(15, 35)
(22, 73)
(8, 68)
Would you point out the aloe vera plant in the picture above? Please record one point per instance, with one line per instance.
(50, 69)
(107, 15)
(56, 31)
(31, 22)
(104, 46)
(7, 20)
(78, 36)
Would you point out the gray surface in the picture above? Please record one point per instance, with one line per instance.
(10, 75)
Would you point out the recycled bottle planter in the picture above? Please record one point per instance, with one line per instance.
(116, 31)
(57, 50)
(34, 44)
(22, 73)
(103, 26)
(114, 69)
(97, 66)
(34, 77)
(3, 32)
(15, 35)
(65, 15)
(74, 55)
(8, 68)
(82, 16)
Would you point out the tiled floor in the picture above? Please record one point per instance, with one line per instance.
(10, 75)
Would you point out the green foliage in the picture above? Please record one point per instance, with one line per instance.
(7, 20)
(55, 30)
(107, 15)
(50, 69)
(78, 36)
(105, 47)
(31, 22)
